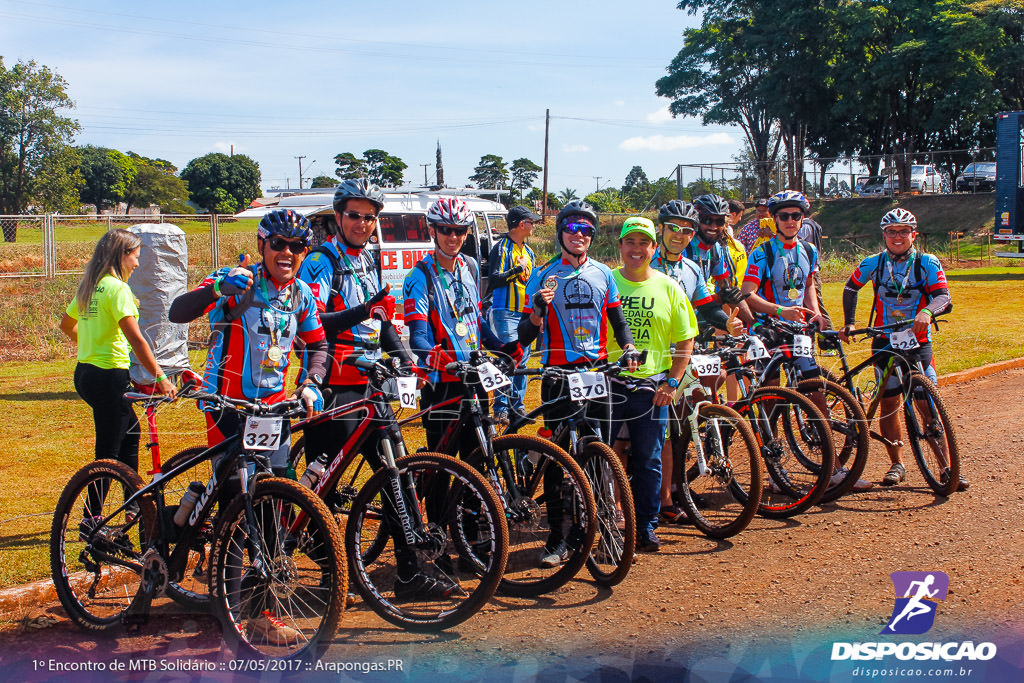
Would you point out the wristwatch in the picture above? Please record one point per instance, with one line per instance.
(315, 380)
(672, 382)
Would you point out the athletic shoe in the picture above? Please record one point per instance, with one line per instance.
(895, 475)
(423, 587)
(647, 541)
(501, 419)
(944, 477)
(673, 514)
(272, 630)
(840, 475)
(552, 557)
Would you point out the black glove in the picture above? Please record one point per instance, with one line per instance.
(731, 295)
(540, 307)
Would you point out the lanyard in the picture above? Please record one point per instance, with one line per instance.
(900, 288)
(362, 271)
(795, 264)
(280, 322)
(448, 294)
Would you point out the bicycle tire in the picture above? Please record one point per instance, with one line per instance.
(730, 493)
(789, 487)
(612, 553)
(526, 507)
(931, 428)
(849, 427)
(193, 590)
(99, 604)
(447, 493)
(304, 579)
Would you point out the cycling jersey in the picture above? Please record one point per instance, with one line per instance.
(687, 274)
(711, 259)
(510, 295)
(445, 300)
(253, 327)
(902, 288)
(357, 281)
(574, 329)
(735, 261)
(779, 269)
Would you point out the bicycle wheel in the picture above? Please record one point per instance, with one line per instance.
(614, 547)
(849, 426)
(723, 500)
(450, 554)
(193, 589)
(279, 583)
(548, 503)
(931, 436)
(796, 477)
(355, 473)
(96, 581)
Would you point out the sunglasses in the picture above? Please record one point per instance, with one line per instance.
(585, 229)
(448, 230)
(789, 216)
(713, 220)
(280, 244)
(356, 216)
(679, 228)
(897, 233)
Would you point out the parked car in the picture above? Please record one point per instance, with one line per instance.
(924, 178)
(977, 177)
(871, 185)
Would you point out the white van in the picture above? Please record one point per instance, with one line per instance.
(402, 237)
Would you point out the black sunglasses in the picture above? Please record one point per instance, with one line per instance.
(585, 229)
(713, 220)
(459, 230)
(356, 216)
(279, 243)
(790, 216)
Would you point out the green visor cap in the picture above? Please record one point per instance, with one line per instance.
(639, 224)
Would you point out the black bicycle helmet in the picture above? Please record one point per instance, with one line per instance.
(576, 207)
(286, 223)
(677, 210)
(358, 188)
(711, 205)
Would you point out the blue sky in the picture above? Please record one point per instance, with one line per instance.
(279, 80)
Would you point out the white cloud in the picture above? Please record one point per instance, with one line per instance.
(572, 149)
(660, 116)
(619, 103)
(665, 143)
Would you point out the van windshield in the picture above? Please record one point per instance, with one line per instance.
(403, 227)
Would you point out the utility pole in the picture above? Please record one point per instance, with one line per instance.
(424, 173)
(544, 195)
(300, 169)
(597, 183)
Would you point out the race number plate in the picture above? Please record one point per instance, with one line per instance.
(756, 350)
(262, 433)
(706, 366)
(406, 391)
(587, 386)
(492, 378)
(904, 340)
(802, 346)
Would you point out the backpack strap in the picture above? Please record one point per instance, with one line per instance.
(422, 267)
(335, 267)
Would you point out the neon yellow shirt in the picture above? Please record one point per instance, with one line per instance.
(738, 256)
(659, 315)
(100, 339)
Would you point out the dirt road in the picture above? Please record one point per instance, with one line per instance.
(770, 603)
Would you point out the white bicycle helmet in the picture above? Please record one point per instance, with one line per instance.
(898, 216)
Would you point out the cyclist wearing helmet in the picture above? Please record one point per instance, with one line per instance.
(256, 314)
(572, 302)
(909, 285)
(356, 311)
(707, 250)
(442, 308)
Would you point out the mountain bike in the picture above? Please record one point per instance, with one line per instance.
(424, 517)
(929, 428)
(277, 573)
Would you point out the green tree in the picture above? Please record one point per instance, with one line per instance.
(238, 176)
(567, 195)
(350, 166)
(383, 169)
(608, 200)
(106, 174)
(524, 172)
(536, 195)
(636, 189)
(491, 173)
(59, 181)
(35, 162)
(155, 183)
(323, 181)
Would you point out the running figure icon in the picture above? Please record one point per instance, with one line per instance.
(916, 596)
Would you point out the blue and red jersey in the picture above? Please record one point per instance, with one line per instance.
(710, 258)
(902, 288)
(687, 274)
(576, 323)
(238, 362)
(358, 282)
(777, 268)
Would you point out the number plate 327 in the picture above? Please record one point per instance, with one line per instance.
(262, 433)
